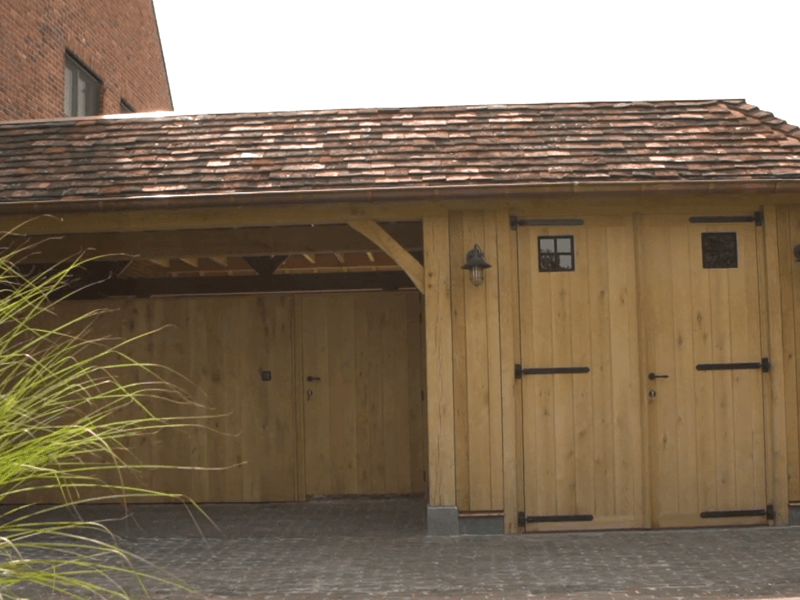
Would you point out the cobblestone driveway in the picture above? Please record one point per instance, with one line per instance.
(378, 548)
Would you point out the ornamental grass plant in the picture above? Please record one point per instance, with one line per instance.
(70, 407)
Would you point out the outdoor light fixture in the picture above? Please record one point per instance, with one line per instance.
(476, 263)
(797, 253)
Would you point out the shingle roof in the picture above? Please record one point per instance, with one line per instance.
(99, 158)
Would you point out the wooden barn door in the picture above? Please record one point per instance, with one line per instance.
(581, 396)
(364, 413)
(701, 320)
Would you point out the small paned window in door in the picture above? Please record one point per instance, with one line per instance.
(720, 250)
(556, 253)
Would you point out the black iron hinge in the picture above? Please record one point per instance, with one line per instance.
(519, 371)
(757, 218)
(765, 365)
(768, 512)
(522, 519)
(517, 222)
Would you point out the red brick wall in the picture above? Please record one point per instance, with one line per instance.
(117, 39)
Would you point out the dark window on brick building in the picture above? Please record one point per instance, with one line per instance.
(81, 90)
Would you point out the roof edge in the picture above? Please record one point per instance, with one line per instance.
(282, 198)
(767, 118)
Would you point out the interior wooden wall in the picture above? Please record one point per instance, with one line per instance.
(248, 447)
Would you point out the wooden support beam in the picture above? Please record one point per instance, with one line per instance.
(197, 286)
(251, 241)
(222, 261)
(439, 355)
(192, 262)
(265, 265)
(381, 238)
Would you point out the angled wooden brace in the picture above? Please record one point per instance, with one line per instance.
(378, 235)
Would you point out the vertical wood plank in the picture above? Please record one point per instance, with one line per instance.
(477, 377)
(723, 387)
(461, 407)
(299, 397)
(788, 236)
(527, 412)
(602, 385)
(682, 336)
(317, 404)
(777, 428)
(563, 403)
(705, 410)
(367, 397)
(581, 317)
(624, 387)
(439, 353)
(493, 364)
(540, 307)
(340, 354)
(508, 291)
(415, 394)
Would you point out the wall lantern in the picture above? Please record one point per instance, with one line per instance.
(476, 263)
(797, 253)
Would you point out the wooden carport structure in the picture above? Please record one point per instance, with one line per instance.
(628, 241)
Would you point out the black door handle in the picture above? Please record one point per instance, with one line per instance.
(312, 378)
(653, 376)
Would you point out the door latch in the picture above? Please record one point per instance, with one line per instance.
(653, 376)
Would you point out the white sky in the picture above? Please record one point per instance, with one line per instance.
(266, 55)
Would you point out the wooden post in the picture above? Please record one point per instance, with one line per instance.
(780, 480)
(508, 287)
(439, 352)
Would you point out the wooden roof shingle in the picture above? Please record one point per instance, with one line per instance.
(174, 155)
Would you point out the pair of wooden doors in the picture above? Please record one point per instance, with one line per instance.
(605, 306)
(266, 431)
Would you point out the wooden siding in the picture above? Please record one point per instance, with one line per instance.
(250, 447)
(788, 236)
(483, 319)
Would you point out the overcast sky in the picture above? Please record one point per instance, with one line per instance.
(267, 55)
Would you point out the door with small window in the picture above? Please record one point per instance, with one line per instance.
(703, 368)
(579, 374)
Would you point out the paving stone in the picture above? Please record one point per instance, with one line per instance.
(378, 548)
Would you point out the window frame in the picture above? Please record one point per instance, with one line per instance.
(75, 73)
(571, 253)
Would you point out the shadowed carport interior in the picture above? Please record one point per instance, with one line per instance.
(303, 394)
(229, 261)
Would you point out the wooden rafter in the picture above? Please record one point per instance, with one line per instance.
(381, 238)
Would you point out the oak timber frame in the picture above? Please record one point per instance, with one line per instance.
(490, 456)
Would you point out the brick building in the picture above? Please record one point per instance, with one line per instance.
(79, 57)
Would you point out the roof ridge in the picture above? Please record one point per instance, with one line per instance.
(192, 116)
(767, 118)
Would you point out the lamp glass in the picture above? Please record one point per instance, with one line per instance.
(476, 275)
